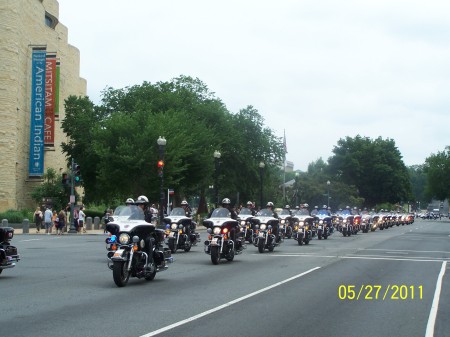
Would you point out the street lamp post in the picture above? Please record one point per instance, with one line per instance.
(328, 193)
(261, 171)
(217, 155)
(161, 143)
(296, 188)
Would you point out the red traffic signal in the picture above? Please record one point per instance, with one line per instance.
(160, 164)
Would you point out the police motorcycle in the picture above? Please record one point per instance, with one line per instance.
(8, 253)
(346, 223)
(324, 224)
(245, 214)
(286, 222)
(224, 236)
(136, 246)
(366, 219)
(356, 221)
(264, 237)
(303, 224)
(180, 231)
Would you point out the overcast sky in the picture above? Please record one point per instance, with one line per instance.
(320, 70)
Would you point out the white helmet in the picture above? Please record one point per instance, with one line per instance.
(269, 204)
(142, 199)
(184, 203)
(249, 203)
(226, 201)
(287, 206)
(129, 201)
(305, 205)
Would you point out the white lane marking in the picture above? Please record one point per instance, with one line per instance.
(401, 253)
(368, 257)
(434, 307)
(406, 250)
(30, 240)
(220, 307)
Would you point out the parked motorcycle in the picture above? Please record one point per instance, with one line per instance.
(264, 237)
(137, 247)
(303, 224)
(8, 253)
(224, 236)
(180, 232)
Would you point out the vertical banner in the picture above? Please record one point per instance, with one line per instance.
(50, 85)
(36, 162)
(58, 65)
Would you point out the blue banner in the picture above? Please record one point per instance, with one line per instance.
(36, 162)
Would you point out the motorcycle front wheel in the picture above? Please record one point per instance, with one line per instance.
(230, 255)
(215, 254)
(172, 246)
(120, 273)
(151, 276)
(261, 245)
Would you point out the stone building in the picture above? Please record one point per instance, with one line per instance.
(38, 71)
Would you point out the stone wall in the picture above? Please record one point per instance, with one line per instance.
(22, 26)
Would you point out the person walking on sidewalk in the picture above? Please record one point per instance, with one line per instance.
(48, 221)
(81, 220)
(38, 219)
(61, 222)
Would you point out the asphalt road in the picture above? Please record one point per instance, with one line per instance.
(384, 283)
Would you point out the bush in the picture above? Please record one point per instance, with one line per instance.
(17, 216)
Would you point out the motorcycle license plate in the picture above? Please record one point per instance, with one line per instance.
(171, 235)
(261, 235)
(213, 242)
(320, 227)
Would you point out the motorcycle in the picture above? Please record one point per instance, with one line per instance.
(136, 247)
(8, 253)
(346, 223)
(303, 224)
(324, 224)
(224, 236)
(246, 226)
(263, 238)
(180, 231)
(285, 223)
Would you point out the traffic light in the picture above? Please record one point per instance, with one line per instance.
(65, 179)
(77, 174)
(160, 167)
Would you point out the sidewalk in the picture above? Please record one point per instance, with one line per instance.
(18, 231)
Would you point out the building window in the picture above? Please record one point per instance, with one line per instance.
(50, 20)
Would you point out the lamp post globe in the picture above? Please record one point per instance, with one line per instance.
(217, 156)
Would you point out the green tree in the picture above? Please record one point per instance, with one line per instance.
(418, 180)
(437, 170)
(375, 167)
(51, 188)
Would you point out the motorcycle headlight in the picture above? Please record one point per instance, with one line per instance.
(243, 223)
(174, 226)
(124, 238)
(263, 227)
(321, 222)
(217, 230)
(180, 226)
(301, 223)
(344, 221)
(283, 222)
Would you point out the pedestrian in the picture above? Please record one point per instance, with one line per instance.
(81, 220)
(48, 220)
(55, 220)
(38, 219)
(61, 222)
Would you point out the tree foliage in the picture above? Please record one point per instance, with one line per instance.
(437, 170)
(115, 143)
(375, 167)
(51, 188)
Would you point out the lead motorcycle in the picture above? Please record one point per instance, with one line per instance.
(137, 247)
(346, 222)
(8, 253)
(264, 238)
(325, 222)
(180, 232)
(224, 236)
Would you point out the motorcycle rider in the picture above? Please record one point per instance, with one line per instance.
(251, 207)
(188, 211)
(275, 228)
(315, 210)
(142, 202)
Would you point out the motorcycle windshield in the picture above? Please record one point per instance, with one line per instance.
(178, 211)
(221, 213)
(245, 211)
(302, 212)
(130, 212)
(285, 212)
(323, 213)
(265, 212)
